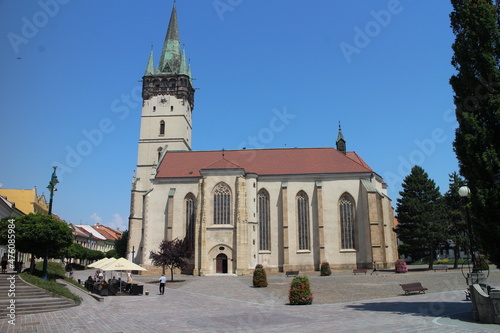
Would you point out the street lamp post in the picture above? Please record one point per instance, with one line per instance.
(52, 187)
(464, 192)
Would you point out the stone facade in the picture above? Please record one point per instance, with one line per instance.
(287, 209)
(238, 240)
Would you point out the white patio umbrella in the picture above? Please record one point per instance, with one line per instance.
(102, 262)
(122, 264)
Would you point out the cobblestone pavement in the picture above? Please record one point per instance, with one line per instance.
(343, 303)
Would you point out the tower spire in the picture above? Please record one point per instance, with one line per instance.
(150, 69)
(183, 68)
(341, 141)
(170, 60)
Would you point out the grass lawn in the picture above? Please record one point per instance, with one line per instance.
(50, 285)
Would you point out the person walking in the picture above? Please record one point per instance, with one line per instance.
(374, 268)
(4, 263)
(163, 279)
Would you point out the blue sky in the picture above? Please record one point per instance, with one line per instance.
(70, 73)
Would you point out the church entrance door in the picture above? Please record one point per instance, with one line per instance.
(221, 263)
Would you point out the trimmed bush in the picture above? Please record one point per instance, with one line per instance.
(259, 277)
(300, 291)
(325, 269)
(401, 266)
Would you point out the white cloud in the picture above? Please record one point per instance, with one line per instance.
(117, 222)
(95, 219)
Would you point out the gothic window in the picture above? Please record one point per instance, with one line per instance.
(222, 204)
(162, 127)
(303, 220)
(190, 203)
(154, 108)
(346, 209)
(263, 211)
(171, 108)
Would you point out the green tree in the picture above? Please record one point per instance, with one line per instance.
(121, 245)
(74, 251)
(38, 234)
(476, 85)
(420, 223)
(93, 254)
(172, 254)
(112, 254)
(454, 216)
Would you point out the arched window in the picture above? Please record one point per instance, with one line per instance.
(303, 220)
(346, 209)
(222, 204)
(263, 209)
(162, 127)
(190, 203)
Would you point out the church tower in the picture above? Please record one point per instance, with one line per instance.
(166, 120)
(168, 101)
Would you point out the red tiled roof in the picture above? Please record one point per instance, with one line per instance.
(262, 162)
(107, 232)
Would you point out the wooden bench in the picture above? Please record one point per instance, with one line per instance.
(293, 273)
(413, 287)
(440, 267)
(359, 270)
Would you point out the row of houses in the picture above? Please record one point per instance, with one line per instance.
(16, 203)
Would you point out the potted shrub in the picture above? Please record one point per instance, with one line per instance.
(259, 277)
(401, 266)
(300, 291)
(325, 269)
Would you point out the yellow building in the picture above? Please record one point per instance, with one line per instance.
(27, 201)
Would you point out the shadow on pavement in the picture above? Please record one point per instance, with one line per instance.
(453, 310)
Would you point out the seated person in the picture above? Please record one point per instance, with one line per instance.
(89, 283)
(113, 281)
(103, 288)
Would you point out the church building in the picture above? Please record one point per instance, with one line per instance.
(287, 209)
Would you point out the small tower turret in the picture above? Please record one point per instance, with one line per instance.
(341, 141)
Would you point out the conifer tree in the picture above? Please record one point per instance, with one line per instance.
(420, 228)
(476, 84)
